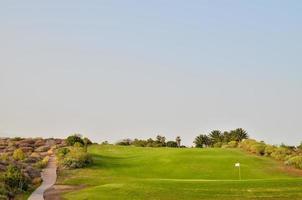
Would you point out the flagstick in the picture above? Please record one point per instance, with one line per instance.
(239, 173)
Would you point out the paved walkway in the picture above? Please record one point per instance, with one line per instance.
(49, 177)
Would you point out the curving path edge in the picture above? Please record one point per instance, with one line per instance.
(49, 177)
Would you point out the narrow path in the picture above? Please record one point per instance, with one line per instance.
(49, 177)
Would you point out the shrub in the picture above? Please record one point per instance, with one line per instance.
(105, 142)
(218, 144)
(246, 144)
(295, 161)
(4, 157)
(62, 152)
(232, 144)
(14, 180)
(280, 153)
(87, 141)
(171, 144)
(19, 154)
(139, 143)
(76, 158)
(78, 144)
(3, 192)
(71, 140)
(36, 181)
(42, 163)
(300, 146)
(269, 149)
(258, 148)
(17, 139)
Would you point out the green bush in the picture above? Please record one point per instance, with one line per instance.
(258, 148)
(280, 153)
(247, 144)
(14, 180)
(295, 161)
(232, 144)
(62, 152)
(3, 191)
(78, 144)
(139, 143)
(300, 146)
(75, 158)
(171, 144)
(4, 157)
(87, 141)
(218, 145)
(42, 163)
(19, 154)
(269, 149)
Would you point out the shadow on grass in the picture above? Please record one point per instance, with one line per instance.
(111, 162)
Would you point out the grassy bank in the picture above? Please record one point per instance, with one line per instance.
(166, 173)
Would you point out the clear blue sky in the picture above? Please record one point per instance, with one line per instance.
(116, 69)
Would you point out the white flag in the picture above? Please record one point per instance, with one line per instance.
(237, 164)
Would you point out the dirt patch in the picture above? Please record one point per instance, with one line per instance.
(55, 192)
(291, 170)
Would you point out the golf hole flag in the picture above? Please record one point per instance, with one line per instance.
(239, 173)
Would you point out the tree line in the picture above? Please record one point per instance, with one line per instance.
(159, 141)
(217, 138)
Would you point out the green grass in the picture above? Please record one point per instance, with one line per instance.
(166, 173)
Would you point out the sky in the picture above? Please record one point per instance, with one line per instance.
(133, 69)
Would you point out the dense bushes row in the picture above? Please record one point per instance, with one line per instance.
(290, 155)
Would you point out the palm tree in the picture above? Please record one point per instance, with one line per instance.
(239, 134)
(161, 140)
(227, 137)
(202, 141)
(216, 136)
(178, 140)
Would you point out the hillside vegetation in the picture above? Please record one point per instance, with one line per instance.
(125, 172)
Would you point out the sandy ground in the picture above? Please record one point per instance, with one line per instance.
(54, 193)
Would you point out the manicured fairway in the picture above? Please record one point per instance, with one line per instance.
(166, 173)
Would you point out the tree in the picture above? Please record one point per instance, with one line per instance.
(125, 142)
(202, 141)
(239, 134)
(178, 140)
(172, 144)
(227, 137)
(71, 140)
(216, 136)
(86, 142)
(139, 143)
(150, 142)
(161, 140)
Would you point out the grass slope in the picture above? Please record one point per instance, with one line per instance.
(166, 173)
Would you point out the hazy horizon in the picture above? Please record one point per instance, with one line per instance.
(134, 69)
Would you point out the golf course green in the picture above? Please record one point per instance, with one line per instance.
(120, 172)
